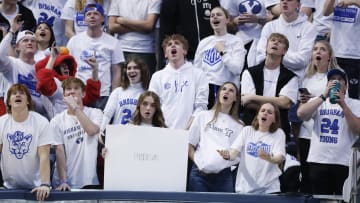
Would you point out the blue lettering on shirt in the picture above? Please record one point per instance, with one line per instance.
(128, 101)
(178, 85)
(253, 148)
(30, 82)
(80, 19)
(345, 15)
(212, 57)
(19, 143)
(50, 8)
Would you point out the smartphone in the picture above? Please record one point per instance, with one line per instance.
(304, 90)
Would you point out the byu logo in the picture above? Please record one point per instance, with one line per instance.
(19, 144)
(250, 6)
(212, 57)
(253, 148)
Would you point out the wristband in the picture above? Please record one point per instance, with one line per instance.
(46, 185)
(222, 53)
(322, 97)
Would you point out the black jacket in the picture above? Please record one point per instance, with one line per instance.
(190, 18)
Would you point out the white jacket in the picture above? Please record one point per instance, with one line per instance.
(183, 92)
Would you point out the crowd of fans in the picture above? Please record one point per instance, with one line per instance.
(268, 90)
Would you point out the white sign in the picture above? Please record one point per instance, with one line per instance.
(145, 159)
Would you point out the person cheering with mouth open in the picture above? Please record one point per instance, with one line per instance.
(261, 147)
(211, 130)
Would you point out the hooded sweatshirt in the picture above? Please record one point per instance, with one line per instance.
(49, 80)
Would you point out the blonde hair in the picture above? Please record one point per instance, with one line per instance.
(80, 4)
(311, 69)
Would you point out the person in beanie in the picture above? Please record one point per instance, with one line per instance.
(334, 132)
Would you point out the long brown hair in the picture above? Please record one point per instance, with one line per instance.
(234, 113)
(144, 71)
(21, 88)
(274, 126)
(158, 119)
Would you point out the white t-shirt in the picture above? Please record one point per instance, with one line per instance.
(17, 71)
(256, 175)
(344, 37)
(207, 138)
(80, 148)
(121, 105)
(137, 42)
(108, 52)
(220, 69)
(183, 92)
(316, 85)
(290, 90)
(49, 11)
(3, 85)
(69, 13)
(41, 54)
(332, 138)
(248, 31)
(20, 164)
(322, 23)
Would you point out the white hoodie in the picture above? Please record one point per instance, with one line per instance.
(183, 92)
(301, 35)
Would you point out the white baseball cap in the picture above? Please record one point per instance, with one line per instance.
(23, 34)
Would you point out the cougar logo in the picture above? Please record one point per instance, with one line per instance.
(19, 144)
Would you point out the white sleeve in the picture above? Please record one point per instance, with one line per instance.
(154, 84)
(297, 60)
(58, 138)
(279, 144)
(4, 58)
(201, 93)
(110, 108)
(46, 133)
(154, 7)
(118, 54)
(261, 46)
(68, 12)
(194, 131)
(114, 9)
(290, 90)
(199, 55)
(240, 140)
(247, 83)
(235, 57)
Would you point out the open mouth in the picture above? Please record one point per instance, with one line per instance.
(263, 118)
(225, 97)
(17, 100)
(173, 51)
(132, 75)
(42, 34)
(318, 58)
(274, 48)
(216, 22)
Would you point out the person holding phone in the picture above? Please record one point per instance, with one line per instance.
(313, 84)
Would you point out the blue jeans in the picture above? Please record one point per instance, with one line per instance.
(215, 182)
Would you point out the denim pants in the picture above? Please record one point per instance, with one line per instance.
(215, 182)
